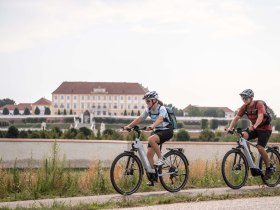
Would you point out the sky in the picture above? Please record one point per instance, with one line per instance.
(199, 52)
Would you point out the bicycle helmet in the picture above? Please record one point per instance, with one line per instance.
(150, 95)
(248, 93)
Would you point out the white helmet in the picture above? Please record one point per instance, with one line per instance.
(150, 95)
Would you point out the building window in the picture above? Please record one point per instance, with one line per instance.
(75, 98)
(104, 98)
(128, 106)
(135, 107)
(61, 106)
(68, 106)
(55, 97)
(68, 98)
(82, 105)
(121, 98)
(135, 98)
(61, 97)
(128, 98)
(55, 105)
(75, 105)
(104, 113)
(83, 98)
(115, 98)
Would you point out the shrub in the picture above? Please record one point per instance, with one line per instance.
(23, 134)
(182, 135)
(12, 132)
(207, 135)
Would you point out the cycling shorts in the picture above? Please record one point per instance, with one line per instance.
(164, 135)
(262, 135)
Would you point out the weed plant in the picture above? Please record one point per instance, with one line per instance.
(55, 179)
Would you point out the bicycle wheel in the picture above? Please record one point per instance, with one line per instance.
(126, 173)
(174, 174)
(274, 158)
(234, 169)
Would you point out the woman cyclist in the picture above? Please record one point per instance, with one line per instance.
(162, 129)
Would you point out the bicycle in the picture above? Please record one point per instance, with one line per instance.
(127, 171)
(237, 161)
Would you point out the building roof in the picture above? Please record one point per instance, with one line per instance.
(20, 106)
(108, 87)
(225, 109)
(43, 101)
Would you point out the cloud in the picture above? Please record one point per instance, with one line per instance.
(28, 23)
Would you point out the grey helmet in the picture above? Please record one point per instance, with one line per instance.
(248, 93)
(150, 95)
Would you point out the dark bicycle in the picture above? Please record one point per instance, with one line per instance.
(237, 161)
(127, 169)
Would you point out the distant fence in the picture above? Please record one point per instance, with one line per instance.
(81, 153)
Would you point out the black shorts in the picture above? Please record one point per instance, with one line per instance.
(164, 135)
(262, 135)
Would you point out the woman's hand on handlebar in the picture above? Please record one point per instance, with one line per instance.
(150, 128)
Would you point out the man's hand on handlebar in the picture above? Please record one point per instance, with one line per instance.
(127, 128)
(229, 130)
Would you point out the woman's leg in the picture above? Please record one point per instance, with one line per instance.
(153, 142)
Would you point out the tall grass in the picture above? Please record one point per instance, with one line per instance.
(55, 179)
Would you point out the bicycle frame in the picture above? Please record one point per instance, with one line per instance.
(138, 147)
(242, 145)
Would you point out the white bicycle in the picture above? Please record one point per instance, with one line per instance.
(237, 161)
(127, 171)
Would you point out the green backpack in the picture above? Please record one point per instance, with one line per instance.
(171, 116)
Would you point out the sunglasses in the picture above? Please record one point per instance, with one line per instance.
(148, 101)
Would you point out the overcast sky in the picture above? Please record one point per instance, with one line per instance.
(199, 52)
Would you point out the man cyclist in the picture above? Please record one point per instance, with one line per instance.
(259, 128)
(161, 126)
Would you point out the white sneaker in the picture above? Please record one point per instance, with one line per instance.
(160, 162)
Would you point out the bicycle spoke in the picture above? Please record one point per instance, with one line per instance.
(234, 169)
(126, 174)
(275, 162)
(174, 175)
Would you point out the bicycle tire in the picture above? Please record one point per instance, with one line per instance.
(178, 169)
(274, 158)
(126, 173)
(232, 171)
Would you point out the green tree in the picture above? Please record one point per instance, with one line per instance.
(58, 111)
(16, 111)
(204, 123)
(182, 135)
(71, 111)
(6, 101)
(180, 125)
(37, 110)
(64, 112)
(6, 111)
(12, 132)
(47, 111)
(138, 113)
(194, 112)
(125, 113)
(214, 123)
(132, 113)
(276, 123)
(26, 111)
